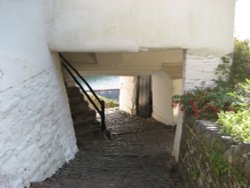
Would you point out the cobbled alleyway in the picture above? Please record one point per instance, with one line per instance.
(138, 156)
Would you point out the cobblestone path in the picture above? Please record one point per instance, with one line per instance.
(138, 156)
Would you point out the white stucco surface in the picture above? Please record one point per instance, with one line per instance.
(118, 25)
(127, 98)
(23, 32)
(36, 133)
(162, 89)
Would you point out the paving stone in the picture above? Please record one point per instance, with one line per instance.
(138, 155)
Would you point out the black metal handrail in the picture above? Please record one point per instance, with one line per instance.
(66, 64)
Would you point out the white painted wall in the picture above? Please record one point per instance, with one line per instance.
(199, 71)
(36, 133)
(118, 25)
(127, 99)
(162, 89)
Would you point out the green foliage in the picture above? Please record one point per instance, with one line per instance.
(109, 103)
(240, 69)
(223, 69)
(241, 95)
(205, 103)
(237, 124)
(219, 165)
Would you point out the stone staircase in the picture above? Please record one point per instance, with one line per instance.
(84, 118)
(80, 110)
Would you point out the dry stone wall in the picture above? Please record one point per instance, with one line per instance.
(209, 159)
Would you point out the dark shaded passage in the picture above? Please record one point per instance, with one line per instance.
(139, 155)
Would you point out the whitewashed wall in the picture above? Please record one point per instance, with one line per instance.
(36, 133)
(162, 89)
(118, 25)
(199, 71)
(127, 98)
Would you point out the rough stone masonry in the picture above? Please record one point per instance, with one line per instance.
(210, 159)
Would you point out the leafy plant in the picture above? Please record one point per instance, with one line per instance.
(237, 124)
(227, 95)
(241, 95)
(204, 103)
(240, 69)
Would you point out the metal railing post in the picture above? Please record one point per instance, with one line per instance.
(66, 64)
(103, 115)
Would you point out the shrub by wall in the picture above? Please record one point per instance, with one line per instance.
(210, 159)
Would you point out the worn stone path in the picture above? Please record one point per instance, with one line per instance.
(137, 156)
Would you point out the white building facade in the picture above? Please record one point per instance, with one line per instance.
(178, 42)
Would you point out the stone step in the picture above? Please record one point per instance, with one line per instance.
(72, 91)
(82, 121)
(81, 106)
(87, 128)
(76, 100)
(79, 95)
(83, 113)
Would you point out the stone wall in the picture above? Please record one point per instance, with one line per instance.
(210, 159)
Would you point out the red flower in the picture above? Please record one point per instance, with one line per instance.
(196, 114)
(194, 107)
